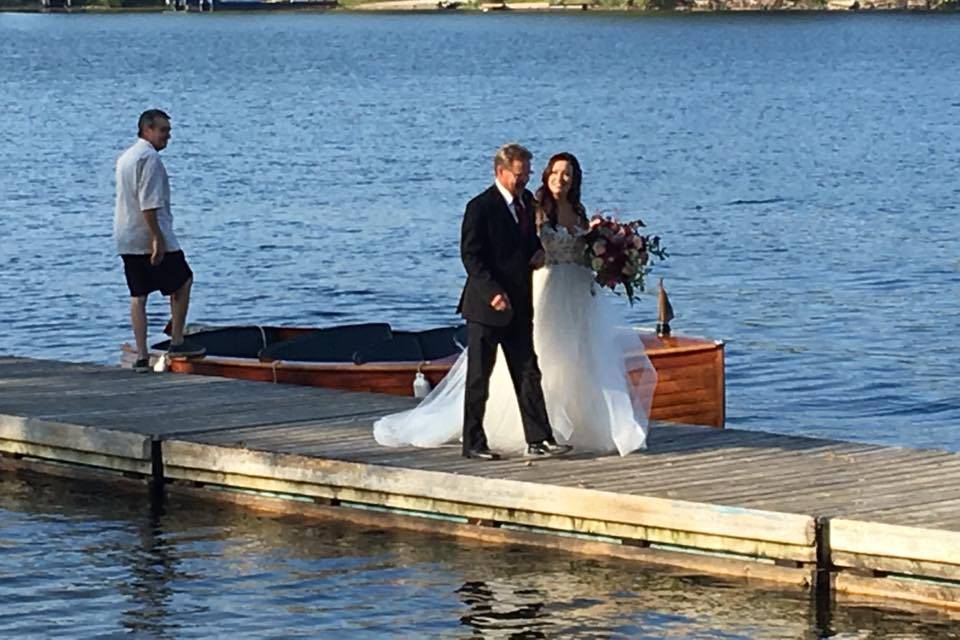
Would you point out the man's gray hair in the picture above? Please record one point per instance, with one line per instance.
(510, 152)
(149, 118)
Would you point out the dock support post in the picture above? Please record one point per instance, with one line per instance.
(157, 479)
(823, 592)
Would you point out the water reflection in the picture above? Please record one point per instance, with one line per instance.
(153, 569)
(500, 611)
(95, 562)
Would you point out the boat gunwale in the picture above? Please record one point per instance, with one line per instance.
(692, 344)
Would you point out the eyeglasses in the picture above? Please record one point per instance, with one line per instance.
(523, 173)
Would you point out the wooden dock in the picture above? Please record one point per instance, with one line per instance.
(834, 516)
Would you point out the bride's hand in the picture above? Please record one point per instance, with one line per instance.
(538, 259)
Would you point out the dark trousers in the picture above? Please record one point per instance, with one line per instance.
(516, 340)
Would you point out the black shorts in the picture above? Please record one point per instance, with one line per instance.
(167, 277)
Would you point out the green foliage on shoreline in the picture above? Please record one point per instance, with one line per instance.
(88, 5)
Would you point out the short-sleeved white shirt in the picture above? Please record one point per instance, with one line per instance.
(142, 184)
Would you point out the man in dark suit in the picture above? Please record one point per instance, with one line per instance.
(500, 248)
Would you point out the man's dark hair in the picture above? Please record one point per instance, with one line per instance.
(149, 118)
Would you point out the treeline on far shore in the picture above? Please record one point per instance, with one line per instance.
(635, 5)
(39, 5)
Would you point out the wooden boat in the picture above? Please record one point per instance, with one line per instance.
(374, 357)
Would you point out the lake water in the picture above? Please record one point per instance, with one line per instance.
(802, 170)
(76, 565)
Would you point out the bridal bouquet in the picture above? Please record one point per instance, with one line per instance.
(620, 254)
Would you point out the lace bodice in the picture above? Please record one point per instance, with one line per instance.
(561, 247)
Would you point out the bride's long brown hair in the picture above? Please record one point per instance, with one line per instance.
(547, 204)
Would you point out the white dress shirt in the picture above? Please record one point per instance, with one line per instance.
(508, 198)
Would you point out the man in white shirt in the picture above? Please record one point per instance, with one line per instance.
(143, 230)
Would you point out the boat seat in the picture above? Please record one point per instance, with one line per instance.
(230, 342)
(402, 347)
(332, 344)
(443, 342)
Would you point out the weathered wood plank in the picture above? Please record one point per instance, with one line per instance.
(74, 437)
(74, 456)
(868, 490)
(897, 565)
(926, 593)
(801, 578)
(749, 548)
(631, 469)
(925, 497)
(726, 475)
(115, 479)
(795, 476)
(653, 512)
(626, 473)
(930, 506)
(894, 541)
(741, 462)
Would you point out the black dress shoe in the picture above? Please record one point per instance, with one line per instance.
(547, 449)
(481, 453)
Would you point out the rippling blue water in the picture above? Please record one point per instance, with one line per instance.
(801, 168)
(77, 566)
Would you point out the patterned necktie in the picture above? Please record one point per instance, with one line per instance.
(521, 215)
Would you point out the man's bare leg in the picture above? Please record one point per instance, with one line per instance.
(138, 318)
(179, 304)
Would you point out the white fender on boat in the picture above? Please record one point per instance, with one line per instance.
(421, 386)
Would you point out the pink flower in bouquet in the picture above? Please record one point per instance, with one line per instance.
(619, 254)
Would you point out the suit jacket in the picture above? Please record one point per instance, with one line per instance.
(497, 257)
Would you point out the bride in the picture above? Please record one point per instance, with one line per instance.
(592, 402)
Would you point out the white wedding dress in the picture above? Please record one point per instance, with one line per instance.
(580, 342)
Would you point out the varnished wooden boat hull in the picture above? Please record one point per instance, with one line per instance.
(690, 376)
(691, 388)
